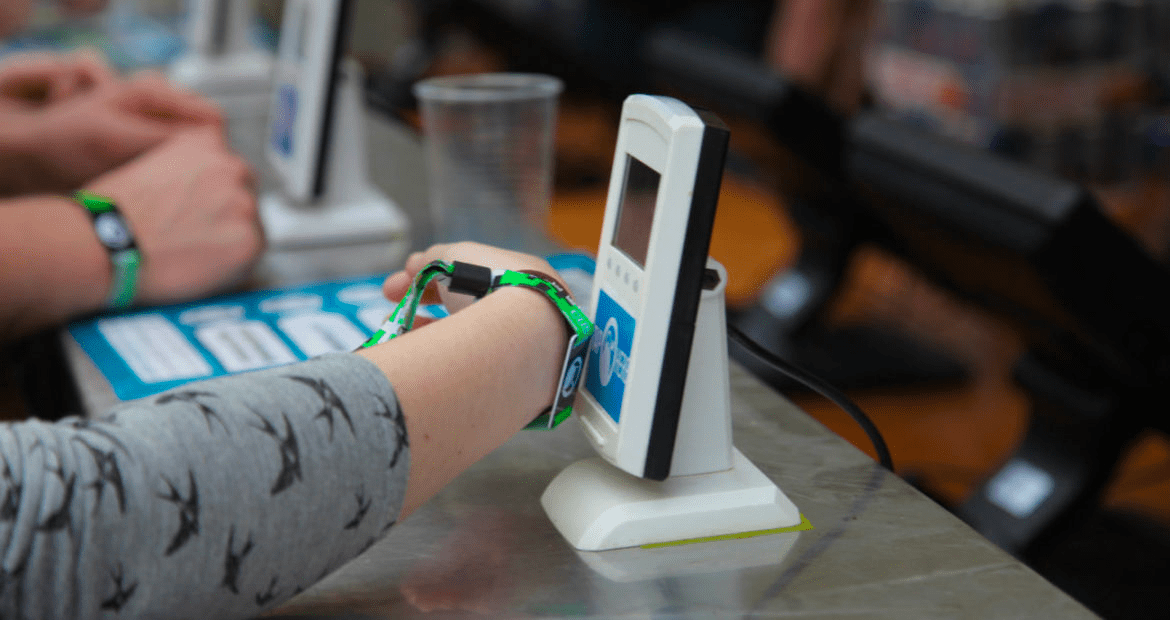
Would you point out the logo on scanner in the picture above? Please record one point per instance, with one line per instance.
(609, 359)
(572, 376)
(613, 361)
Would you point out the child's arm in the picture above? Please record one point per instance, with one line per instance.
(222, 498)
(470, 381)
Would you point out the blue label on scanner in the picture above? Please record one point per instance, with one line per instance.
(609, 359)
(284, 122)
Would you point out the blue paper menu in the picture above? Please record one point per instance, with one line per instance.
(147, 351)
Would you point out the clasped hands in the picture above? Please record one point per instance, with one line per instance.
(69, 122)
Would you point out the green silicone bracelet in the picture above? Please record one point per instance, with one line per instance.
(114, 233)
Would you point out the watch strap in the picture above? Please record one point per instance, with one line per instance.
(125, 283)
(125, 257)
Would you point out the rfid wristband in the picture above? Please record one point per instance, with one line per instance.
(113, 232)
(478, 281)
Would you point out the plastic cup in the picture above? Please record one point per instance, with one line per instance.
(488, 142)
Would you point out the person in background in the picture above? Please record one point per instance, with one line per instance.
(819, 44)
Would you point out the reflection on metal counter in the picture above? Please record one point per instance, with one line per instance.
(879, 549)
(635, 564)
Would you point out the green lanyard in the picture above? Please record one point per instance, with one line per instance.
(478, 281)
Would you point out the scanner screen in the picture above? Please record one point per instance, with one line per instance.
(636, 211)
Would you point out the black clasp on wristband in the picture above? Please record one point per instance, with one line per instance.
(469, 279)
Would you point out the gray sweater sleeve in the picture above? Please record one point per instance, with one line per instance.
(218, 499)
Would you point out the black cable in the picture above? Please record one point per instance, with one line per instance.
(819, 386)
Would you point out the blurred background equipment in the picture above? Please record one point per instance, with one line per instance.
(132, 34)
(1058, 85)
(222, 59)
(1014, 241)
(1071, 89)
(316, 143)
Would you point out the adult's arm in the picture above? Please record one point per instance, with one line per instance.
(53, 266)
(223, 498)
(34, 79)
(64, 140)
(192, 210)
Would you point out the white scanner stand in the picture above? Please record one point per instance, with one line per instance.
(351, 210)
(221, 61)
(712, 490)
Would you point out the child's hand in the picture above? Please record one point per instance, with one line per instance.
(396, 286)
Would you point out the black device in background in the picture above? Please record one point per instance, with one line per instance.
(789, 316)
(340, 45)
(594, 46)
(1093, 305)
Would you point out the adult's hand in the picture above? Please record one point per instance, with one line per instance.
(60, 146)
(191, 205)
(41, 78)
(15, 13)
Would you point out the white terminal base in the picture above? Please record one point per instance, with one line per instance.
(596, 506)
(342, 238)
(366, 216)
(238, 81)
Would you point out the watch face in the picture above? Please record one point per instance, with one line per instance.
(112, 231)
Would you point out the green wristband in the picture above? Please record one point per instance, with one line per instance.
(478, 281)
(113, 232)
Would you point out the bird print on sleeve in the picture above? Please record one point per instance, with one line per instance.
(154, 511)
